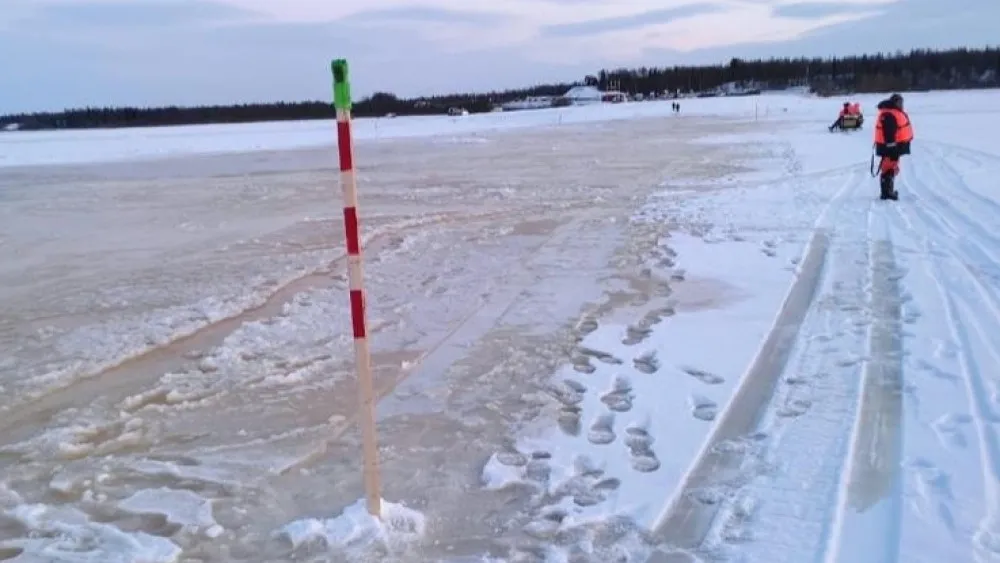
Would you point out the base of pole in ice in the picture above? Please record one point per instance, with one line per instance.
(359, 533)
(355, 266)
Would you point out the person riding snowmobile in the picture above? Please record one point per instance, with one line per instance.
(893, 134)
(844, 112)
(855, 110)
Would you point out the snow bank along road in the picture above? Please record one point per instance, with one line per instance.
(666, 340)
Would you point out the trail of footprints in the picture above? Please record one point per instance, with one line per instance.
(589, 485)
(619, 398)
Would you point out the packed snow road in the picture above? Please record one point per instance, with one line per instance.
(865, 430)
(858, 425)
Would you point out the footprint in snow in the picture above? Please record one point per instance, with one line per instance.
(647, 362)
(512, 458)
(645, 462)
(639, 443)
(934, 491)
(538, 469)
(703, 408)
(705, 377)
(569, 420)
(737, 528)
(600, 356)
(582, 364)
(602, 430)
(566, 393)
(638, 438)
(584, 466)
(636, 333)
(709, 496)
(657, 315)
(949, 429)
(588, 498)
(619, 397)
(794, 408)
(608, 484)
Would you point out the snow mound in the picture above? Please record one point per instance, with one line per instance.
(356, 532)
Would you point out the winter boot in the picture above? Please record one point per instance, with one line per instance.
(888, 187)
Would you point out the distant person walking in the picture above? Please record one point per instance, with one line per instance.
(893, 134)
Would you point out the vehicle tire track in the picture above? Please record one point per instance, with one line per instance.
(870, 500)
(795, 473)
(693, 509)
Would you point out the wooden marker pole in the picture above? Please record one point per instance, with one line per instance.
(355, 263)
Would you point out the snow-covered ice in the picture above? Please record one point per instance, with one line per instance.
(599, 334)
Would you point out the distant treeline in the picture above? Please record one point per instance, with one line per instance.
(913, 71)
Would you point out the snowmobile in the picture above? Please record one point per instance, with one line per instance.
(850, 119)
(849, 123)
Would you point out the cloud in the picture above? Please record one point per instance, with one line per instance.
(930, 24)
(226, 51)
(135, 13)
(47, 68)
(815, 10)
(426, 14)
(643, 19)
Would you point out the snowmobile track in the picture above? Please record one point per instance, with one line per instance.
(973, 317)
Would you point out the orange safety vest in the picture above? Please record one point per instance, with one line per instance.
(904, 130)
(856, 109)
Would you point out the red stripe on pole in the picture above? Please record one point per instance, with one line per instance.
(351, 231)
(344, 146)
(358, 312)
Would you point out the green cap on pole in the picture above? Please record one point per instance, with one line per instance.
(341, 85)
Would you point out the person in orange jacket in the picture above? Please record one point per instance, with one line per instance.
(893, 135)
(856, 112)
(844, 111)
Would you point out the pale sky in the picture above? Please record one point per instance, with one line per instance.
(72, 53)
